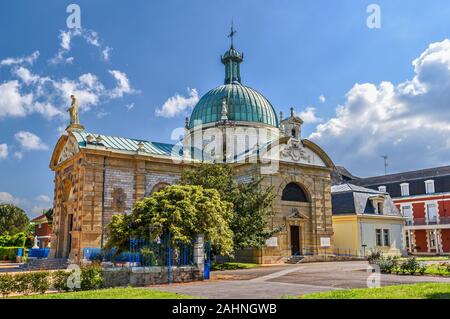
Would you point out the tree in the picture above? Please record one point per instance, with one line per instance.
(49, 215)
(184, 211)
(250, 202)
(13, 220)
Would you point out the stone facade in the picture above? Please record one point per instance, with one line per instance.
(94, 183)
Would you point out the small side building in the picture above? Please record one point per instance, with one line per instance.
(42, 231)
(364, 220)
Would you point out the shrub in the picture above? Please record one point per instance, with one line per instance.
(22, 283)
(17, 240)
(40, 281)
(91, 276)
(374, 256)
(410, 266)
(60, 279)
(6, 285)
(387, 265)
(9, 253)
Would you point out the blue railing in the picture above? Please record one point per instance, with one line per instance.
(38, 252)
(145, 253)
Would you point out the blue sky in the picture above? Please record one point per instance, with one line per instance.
(133, 58)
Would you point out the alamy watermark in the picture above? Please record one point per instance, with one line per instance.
(374, 19)
(74, 19)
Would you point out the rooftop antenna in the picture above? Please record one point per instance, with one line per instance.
(386, 164)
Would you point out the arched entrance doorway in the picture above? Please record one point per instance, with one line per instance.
(66, 221)
(298, 199)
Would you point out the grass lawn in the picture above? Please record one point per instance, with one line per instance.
(232, 266)
(111, 293)
(430, 258)
(416, 291)
(436, 270)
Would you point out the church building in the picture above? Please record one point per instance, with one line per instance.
(98, 176)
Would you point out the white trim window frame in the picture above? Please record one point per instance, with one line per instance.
(404, 189)
(386, 238)
(432, 244)
(407, 211)
(378, 237)
(429, 187)
(431, 212)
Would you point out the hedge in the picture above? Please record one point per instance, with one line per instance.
(9, 253)
(17, 240)
(91, 277)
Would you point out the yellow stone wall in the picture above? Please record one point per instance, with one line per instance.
(84, 185)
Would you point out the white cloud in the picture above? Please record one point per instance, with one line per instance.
(3, 151)
(49, 96)
(129, 107)
(25, 75)
(322, 98)
(7, 198)
(308, 115)
(178, 104)
(18, 155)
(123, 84)
(30, 141)
(12, 103)
(409, 121)
(66, 38)
(20, 60)
(43, 198)
(106, 53)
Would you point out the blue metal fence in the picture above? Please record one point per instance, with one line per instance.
(146, 253)
(38, 252)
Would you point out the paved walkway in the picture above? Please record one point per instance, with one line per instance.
(9, 267)
(288, 280)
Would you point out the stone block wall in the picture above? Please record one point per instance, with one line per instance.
(145, 276)
(153, 179)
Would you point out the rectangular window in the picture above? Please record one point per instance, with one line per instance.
(432, 213)
(407, 212)
(432, 239)
(380, 208)
(429, 187)
(386, 237)
(378, 237)
(404, 189)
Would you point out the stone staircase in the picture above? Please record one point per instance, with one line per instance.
(44, 264)
(294, 259)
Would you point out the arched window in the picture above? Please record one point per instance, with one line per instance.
(159, 187)
(294, 193)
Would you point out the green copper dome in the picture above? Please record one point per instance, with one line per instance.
(242, 103)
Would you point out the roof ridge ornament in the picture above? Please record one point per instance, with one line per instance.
(224, 110)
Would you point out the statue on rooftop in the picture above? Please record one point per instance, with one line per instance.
(74, 119)
(73, 111)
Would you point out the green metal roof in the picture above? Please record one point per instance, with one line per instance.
(124, 144)
(243, 103)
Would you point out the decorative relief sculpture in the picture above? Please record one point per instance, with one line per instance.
(294, 150)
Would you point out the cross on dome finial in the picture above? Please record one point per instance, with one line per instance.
(232, 33)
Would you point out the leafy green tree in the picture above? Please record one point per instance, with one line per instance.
(13, 220)
(184, 211)
(251, 202)
(49, 214)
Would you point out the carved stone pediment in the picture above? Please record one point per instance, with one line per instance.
(294, 150)
(297, 215)
(70, 149)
